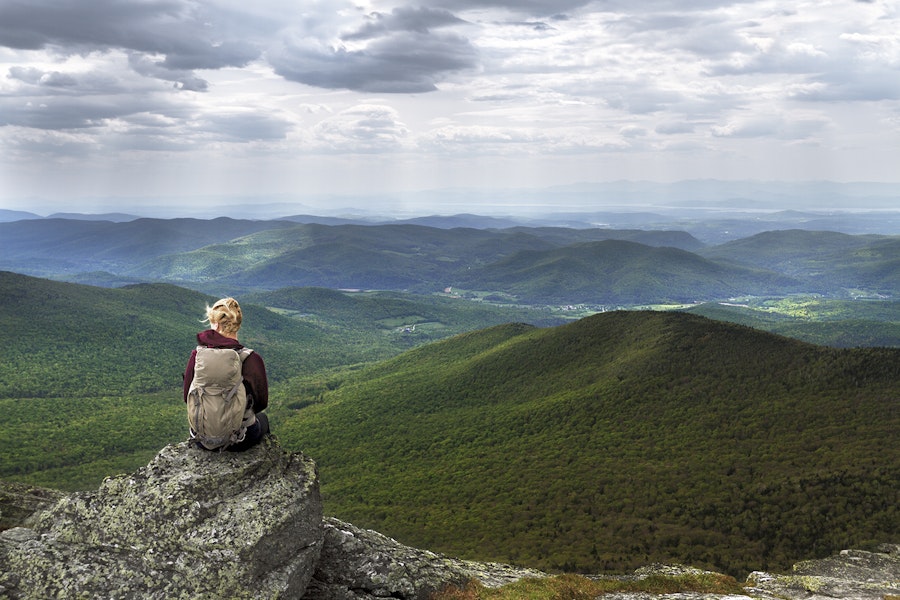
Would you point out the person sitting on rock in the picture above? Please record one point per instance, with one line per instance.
(224, 318)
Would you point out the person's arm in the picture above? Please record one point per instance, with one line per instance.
(254, 372)
(189, 373)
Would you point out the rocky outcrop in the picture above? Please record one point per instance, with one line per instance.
(201, 525)
(19, 503)
(849, 575)
(191, 524)
(360, 564)
(855, 574)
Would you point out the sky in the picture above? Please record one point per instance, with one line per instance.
(108, 104)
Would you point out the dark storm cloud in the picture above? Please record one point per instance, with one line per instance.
(402, 54)
(182, 32)
(405, 62)
(171, 39)
(177, 29)
(36, 24)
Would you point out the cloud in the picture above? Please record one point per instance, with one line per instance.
(530, 7)
(405, 62)
(675, 127)
(396, 52)
(853, 58)
(632, 131)
(777, 126)
(82, 93)
(183, 31)
(419, 20)
(492, 79)
(51, 79)
(795, 57)
(244, 125)
(167, 38)
(868, 85)
(472, 138)
(364, 128)
(182, 80)
(68, 112)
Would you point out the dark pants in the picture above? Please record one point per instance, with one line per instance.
(255, 434)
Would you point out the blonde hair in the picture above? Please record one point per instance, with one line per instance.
(226, 313)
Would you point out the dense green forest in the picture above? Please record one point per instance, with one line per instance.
(490, 432)
(621, 439)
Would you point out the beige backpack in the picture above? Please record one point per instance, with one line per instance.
(216, 398)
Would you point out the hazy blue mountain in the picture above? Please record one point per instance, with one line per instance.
(48, 247)
(16, 215)
(322, 220)
(463, 220)
(524, 264)
(114, 217)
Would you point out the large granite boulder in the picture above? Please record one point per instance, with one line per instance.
(191, 524)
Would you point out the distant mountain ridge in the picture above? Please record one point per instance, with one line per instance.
(72, 246)
(621, 272)
(526, 264)
(16, 215)
(822, 257)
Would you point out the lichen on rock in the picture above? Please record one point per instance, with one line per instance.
(191, 524)
(856, 574)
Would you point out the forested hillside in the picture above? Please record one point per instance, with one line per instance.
(91, 377)
(617, 440)
(137, 338)
(74, 340)
(623, 273)
(826, 260)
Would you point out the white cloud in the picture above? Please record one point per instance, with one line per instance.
(364, 128)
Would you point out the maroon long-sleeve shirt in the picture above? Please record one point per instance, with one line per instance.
(253, 370)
